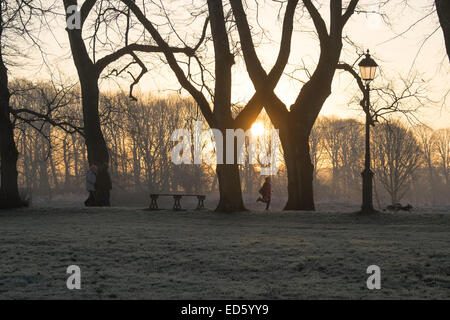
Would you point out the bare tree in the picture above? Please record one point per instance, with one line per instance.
(316, 145)
(43, 108)
(17, 19)
(9, 192)
(343, 145)
(332, 140)
(397, 155)
(221, 116)
(426, 138)
(295, 124)
(442, 145)
(89, 69)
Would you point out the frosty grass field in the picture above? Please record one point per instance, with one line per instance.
(128, 253)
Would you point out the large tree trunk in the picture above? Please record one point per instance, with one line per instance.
(96, 145)
(228, 177)
(9, 192)
(95, 142)
(300, 121)
(229, 188)
(227, 174)
(88, 75)
(295, 141)
(443, 11)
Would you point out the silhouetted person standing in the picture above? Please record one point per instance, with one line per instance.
(265, 191)
(103, 186)
(91, 178)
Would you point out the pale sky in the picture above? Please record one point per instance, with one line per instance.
(395, 57)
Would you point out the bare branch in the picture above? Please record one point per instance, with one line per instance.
(198, 96)
(318, 21)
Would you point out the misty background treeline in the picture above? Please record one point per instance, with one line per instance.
(411, 163)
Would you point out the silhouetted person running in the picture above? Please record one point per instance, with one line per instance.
(265, 192)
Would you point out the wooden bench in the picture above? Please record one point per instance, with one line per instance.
(176, 200)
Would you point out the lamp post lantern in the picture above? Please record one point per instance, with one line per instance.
(367, 68)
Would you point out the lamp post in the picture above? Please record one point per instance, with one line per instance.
(367, 68)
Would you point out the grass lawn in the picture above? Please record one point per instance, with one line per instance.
(127, 253)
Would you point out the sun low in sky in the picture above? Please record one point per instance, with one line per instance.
(257, 128)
